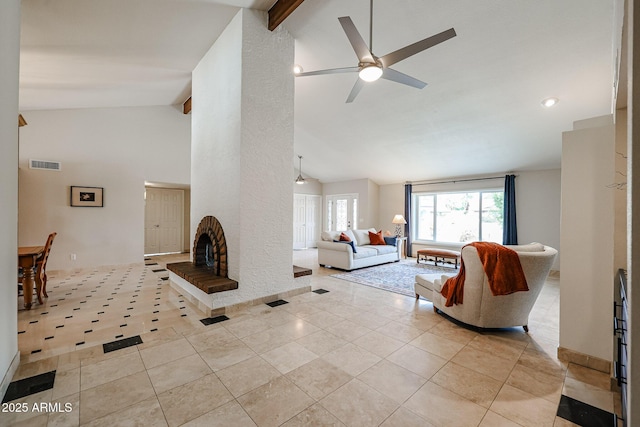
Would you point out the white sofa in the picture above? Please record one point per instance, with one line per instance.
(341, 255)
(481, 308)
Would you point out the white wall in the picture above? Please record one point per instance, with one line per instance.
(373, 201)
(310, 187)
(633, 215)
(241, 153)
(10, 53)
(587, 273)
(537, 205)
(114, 148)
(368, 196)
(620, 197)
(390, 204)
(538, 208)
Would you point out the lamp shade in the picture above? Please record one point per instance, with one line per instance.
(398, 219)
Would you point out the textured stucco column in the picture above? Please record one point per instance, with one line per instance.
(242, 146)
(10, 50)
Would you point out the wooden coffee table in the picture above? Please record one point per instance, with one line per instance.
(438, 255)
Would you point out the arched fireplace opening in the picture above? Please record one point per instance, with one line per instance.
(208, 271)
(206, 253)
(210, 246)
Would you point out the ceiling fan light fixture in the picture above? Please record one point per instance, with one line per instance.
(371, 67)
(370, 73)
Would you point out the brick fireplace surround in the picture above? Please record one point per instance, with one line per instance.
(208, 271)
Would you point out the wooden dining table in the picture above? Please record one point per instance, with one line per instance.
(27, 259)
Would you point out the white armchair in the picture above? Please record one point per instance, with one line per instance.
(481, 308)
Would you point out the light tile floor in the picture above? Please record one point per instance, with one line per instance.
(355, 356)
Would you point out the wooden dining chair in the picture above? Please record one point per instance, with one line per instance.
(40, 270)
(41, 267)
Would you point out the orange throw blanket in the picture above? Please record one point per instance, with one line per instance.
(502, 267)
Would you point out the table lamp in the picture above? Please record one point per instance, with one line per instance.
(398, 220)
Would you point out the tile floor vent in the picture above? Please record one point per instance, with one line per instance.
(44, 164)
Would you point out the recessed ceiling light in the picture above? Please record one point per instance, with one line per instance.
(549, 102)
(297, 69)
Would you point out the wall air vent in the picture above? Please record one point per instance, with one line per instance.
(44, 164)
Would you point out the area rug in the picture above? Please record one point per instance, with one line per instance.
(397, 277)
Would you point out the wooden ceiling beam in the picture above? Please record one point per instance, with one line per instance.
(280, 11)
(186, 107)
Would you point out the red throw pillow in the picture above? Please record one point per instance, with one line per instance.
(376, 238)
(344, 238)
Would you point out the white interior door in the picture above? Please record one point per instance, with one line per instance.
(342, 212)
(164, 220)
(313, 222)
(306, 220)
(171, 222)
(152, 214)
(299, 221)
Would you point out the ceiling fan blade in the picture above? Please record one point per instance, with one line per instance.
(329, 71)
(357, 42)
(355, 91)
(398, 77)
(417, 47)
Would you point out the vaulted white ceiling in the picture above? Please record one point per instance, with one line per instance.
(480, 112)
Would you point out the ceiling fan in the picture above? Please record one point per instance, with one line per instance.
(371, 67)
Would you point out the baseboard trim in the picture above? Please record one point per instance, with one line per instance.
(585, 360)
(8, 376)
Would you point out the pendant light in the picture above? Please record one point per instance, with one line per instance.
(300, 179)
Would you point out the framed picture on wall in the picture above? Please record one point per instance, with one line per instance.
(91, 197)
